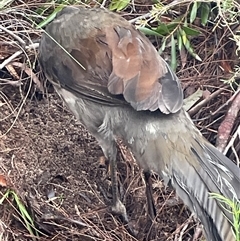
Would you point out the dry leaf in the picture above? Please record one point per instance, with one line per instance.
(3, 180)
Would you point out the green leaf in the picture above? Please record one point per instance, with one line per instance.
(190, 31)
(172, 26)
(166, 29)
(24, 214)
(50, 17)
(163, 46)
(5, 196)
(184, 36)
(118, 4)
(180, 42)
(205, 11)
(22, 207)
(162, 29)
(173, 54)
(193, 13)
(149, 31)
(188, 46)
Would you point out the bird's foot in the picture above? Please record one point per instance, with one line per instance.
(118, 208)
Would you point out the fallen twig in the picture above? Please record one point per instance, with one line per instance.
(13, 35)
(30, 73)
(197, 107)
(11, 82)
(226, 126)
(16, 54)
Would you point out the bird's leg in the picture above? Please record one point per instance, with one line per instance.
(151, 211)
(117, 206)
(150, 202)
(110, 151)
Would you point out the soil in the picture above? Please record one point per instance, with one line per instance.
(54, 165)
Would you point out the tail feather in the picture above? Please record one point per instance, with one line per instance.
(214, 217)
(176, 150)
(215, 174)
(195, 206)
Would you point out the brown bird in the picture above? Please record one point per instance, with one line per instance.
(117, 85)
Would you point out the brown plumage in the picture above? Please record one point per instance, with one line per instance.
(115, 59)
(117, 85)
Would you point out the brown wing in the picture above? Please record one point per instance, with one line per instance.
(107, 59)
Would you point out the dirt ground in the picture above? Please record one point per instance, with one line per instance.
(53, 164)
(55, 167)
